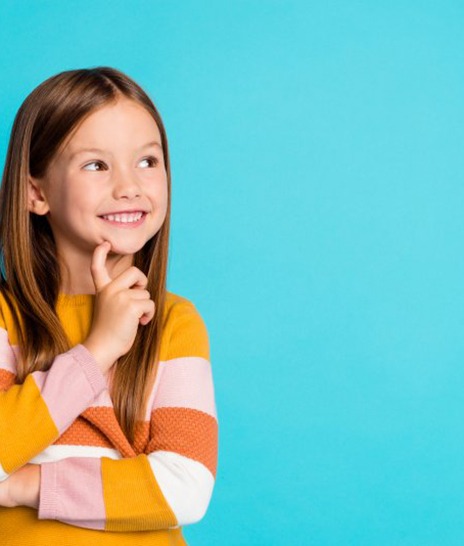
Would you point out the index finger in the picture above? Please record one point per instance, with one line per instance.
(98, 268)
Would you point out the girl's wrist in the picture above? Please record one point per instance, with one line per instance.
(24, 486)
(100, 354)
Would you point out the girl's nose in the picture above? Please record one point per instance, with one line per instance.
(125, 185)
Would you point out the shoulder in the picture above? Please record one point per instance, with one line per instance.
(184, 331)
(176, 306)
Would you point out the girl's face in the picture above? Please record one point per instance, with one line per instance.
(108, 183)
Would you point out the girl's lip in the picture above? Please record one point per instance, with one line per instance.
(133, 211)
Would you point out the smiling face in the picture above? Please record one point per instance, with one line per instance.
(108, 183)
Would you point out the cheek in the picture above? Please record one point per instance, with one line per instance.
(63, 196)
(164, 192)
(161, 206)
(75, 203)
(164, 201)
(161, 196)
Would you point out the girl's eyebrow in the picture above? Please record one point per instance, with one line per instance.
(100, 151)
(150, 144)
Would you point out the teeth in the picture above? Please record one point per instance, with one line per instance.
(125, 218)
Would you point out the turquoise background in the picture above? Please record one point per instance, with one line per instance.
(318, 202)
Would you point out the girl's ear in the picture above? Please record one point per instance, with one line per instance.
(36, 200)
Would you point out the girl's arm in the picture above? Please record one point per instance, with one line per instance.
(34, 414)
(172, 484)
(22, 488)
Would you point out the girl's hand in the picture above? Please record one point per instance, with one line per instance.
(121, 304)
(5, 494)
(22, 488)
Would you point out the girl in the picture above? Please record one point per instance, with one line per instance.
(107, 415)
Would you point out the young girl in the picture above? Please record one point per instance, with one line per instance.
(107, 415)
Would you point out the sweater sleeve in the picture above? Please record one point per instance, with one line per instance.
(35, 413)
(172, 483)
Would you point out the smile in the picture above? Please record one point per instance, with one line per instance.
(124, 217)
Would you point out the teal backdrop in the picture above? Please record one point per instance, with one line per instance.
(318, 225)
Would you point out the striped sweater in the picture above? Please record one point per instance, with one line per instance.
(97, 488)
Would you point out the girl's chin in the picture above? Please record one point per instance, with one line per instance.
(123, 251)
(122, 247)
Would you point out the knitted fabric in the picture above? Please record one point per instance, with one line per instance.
(96, 487)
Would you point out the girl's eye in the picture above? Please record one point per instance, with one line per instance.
(148, 162)
(95, 166)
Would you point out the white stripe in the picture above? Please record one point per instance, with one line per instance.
(186, 484)
(3, 474)
(56, 453)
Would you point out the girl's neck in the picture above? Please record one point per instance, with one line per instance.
(76, 277)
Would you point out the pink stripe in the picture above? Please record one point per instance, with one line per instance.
(70, 386)
(71, 491)
(103, 400)
(7, 353)
(186, 383)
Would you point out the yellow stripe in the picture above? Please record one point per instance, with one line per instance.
(133, 498)
(26, 426)
(181, 316)
(185, 334)
(6, 320)
(20, 527)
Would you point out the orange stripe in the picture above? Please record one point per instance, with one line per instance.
(7, 380)
(84, 432)
(136, 502)
(189, 432)
(104, 419)
(141, 437)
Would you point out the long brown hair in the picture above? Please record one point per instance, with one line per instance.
(30, 274)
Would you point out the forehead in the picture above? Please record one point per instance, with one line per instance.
(120, 124)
